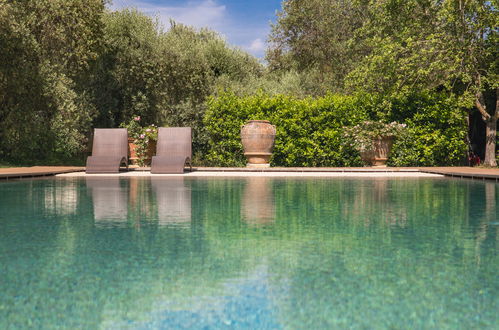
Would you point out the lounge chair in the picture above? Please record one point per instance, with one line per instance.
(173, 150)
(109, 150)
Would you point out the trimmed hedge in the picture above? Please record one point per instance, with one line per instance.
(309, 131)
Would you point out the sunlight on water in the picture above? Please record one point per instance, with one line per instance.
(250, 253)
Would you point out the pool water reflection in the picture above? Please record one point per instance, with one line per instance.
(258, 252)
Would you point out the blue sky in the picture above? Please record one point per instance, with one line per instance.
(244, 23)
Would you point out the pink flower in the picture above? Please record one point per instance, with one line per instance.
(142, 136)
(136, 118)
(148, 130)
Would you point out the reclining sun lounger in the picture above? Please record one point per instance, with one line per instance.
(173, 150)
(109, 150)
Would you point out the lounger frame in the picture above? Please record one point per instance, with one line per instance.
(109, 151)
(173, 150)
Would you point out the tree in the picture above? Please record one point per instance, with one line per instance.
(444, 45)
(48, 48)
(163, 76)
(316, 37)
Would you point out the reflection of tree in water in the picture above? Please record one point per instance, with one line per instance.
(353, 273)
(142, 206)
(61, 197)
(372, 202)
(483, 217)
(320, 258)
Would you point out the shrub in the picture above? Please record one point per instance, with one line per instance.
(436, 131)
(310, 130)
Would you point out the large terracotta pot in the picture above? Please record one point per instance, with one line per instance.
(132, 152)
(378, 156)
(258, 138)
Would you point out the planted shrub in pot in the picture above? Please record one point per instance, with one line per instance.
(141, 141)
(373, 139)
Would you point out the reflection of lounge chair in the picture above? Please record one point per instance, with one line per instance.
(109, 199)
(173, 151)
(173, 198)
(109, 150)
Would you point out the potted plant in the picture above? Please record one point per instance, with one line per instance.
(141, 141)
(373, 139)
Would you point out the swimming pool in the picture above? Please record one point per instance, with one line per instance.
(255, 252)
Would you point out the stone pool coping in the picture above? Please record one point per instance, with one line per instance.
(384, 174)
(460, 172)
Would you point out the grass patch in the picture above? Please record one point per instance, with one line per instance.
(6, 164)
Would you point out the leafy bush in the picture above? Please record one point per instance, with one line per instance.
(436, 131)
(142, 138)
(309, 131)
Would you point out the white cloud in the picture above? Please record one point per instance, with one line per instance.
(256, 46)
(205, 13)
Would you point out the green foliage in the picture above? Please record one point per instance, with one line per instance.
(143, 143)
(436, 131)
(426, 44)
(394, 48)
(129, 79)
(133, 127)
(142, 137)
(310, 131)
(48, 49)
(163, 77)
(67, 66)
(316, 37)
(361, 136)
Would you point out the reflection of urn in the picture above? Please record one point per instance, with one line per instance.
(257, 205)
(258, 137)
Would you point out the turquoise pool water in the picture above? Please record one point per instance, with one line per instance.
(248, 253)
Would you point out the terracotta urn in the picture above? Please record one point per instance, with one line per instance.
(132, 152)
(258, 138)
(378, 156)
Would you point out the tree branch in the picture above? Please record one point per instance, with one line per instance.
(480, 104)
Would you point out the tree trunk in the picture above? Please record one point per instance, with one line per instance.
(490, 142)
(491, 123)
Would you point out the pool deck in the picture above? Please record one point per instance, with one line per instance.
(460, 172)
(23, 172)
(464, 172)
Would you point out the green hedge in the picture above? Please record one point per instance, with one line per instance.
(309, 131)
(437, 131)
